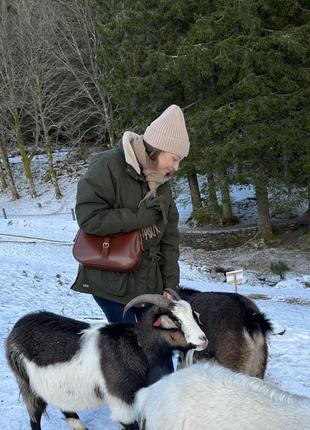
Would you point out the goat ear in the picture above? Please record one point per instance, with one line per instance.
(157, 322)
(198, 317)
(164, 322)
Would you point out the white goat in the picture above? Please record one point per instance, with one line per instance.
(209, 396)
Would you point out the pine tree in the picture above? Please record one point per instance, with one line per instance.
(244, 65)
(139, 44)
(238, 68)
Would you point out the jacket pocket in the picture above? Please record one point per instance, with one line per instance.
(114, 283)
(105, 281)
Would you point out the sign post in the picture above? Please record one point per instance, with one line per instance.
(234, 277)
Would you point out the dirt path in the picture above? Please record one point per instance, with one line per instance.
(256, 260)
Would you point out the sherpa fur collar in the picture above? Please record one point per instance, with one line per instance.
(130, 157)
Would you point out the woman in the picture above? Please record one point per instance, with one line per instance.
(127, 188)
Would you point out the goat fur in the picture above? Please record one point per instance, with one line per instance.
(209, 396)
(236, 330)
(75, 366)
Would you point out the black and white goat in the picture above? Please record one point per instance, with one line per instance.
(76, 366)
(209, 396)
(236, 330)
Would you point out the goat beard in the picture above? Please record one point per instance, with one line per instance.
(187, 348)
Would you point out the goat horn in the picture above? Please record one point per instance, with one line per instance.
(154, 299)
(173, 293)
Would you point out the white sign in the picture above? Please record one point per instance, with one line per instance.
(234, 277)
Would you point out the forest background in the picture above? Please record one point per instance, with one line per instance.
(77, 73)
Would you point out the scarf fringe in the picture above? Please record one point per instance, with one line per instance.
(154, 180)
(150, 232)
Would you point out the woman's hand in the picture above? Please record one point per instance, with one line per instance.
(167, 295)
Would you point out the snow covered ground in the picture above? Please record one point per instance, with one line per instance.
(37, 274)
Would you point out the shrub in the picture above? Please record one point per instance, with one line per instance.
(279, 268)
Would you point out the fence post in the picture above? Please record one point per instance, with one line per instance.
(73, 214)
(4, 214)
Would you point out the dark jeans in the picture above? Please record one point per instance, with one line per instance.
(114, 314)
(114, 311)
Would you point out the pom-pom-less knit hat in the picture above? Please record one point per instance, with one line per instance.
(168, 132)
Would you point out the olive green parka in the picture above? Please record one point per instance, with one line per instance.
(107, 202)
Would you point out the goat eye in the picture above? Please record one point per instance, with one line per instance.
(178, 324)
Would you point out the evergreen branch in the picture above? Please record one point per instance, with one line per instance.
(272, 31)
(190, 105)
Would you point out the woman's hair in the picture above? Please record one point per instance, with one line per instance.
(152, 152)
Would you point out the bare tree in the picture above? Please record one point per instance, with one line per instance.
(3, 182)
(77, 49)
(13, 84)
(46, 83)
(51, 82)
(6, 168)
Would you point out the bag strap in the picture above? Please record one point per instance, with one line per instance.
(105, 246)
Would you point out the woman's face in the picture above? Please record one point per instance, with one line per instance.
(167, 163)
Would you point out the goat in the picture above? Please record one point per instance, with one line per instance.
(209, 396)
(236, 330)
(75, 366)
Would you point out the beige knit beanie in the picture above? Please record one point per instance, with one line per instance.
(168, 132)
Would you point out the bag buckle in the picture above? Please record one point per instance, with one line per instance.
(105, 244)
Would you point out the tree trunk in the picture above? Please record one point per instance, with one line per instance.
(8, 171)
(108, 118)
(3, 183)
(194, 190)
(212, 203)
(51, 169)
(37, 131)
(264, 220)
(308, 205)
(227, 215)
(25, 158)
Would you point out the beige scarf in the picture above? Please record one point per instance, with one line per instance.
(153, 178)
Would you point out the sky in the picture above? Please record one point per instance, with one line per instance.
(37, 269)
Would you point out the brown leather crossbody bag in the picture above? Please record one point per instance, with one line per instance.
(117, 252)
